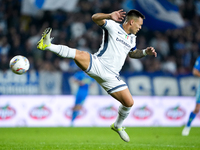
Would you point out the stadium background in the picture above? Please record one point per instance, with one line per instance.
(166, 81)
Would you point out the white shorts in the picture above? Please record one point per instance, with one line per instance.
(110, 81)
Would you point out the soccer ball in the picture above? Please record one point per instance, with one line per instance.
(19, 64)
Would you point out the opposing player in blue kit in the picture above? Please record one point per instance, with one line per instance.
(84, 82)
(119, 40)
(196, 72)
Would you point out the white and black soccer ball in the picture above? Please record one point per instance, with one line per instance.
(19, 64)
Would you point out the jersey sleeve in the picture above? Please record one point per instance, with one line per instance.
(132, 49)
(197, 64)
(109, 25)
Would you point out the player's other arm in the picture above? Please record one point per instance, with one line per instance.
(196, 72)
(100, 18)
(77, 81)
(141, 53)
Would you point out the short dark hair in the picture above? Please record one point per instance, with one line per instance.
(135, 13)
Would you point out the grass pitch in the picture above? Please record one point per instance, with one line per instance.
(96, 138)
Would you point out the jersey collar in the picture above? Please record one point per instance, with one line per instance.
(121, 25)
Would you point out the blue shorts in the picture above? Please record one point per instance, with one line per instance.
(198, 95)
(80, 97)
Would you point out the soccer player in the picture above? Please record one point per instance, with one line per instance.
(119, 40)
(196, 72)
(84, 82)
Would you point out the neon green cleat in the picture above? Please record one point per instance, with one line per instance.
(122, 133)
(45, 41)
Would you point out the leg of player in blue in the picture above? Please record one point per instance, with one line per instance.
(196, 72)
(191, 118)
(83, 81)
(193, 114)
(77, 107)
(75, 113)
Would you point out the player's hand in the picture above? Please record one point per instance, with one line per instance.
(118, 15)
(151, 51)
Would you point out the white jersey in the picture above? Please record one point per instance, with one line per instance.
(116, 44)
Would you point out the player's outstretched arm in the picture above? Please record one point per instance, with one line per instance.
(141, 53)
(99, 18)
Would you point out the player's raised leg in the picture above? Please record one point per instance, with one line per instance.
(81, 58)
(126, 100)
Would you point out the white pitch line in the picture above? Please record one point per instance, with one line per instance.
(137, 145)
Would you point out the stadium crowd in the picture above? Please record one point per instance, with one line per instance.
(177, 49)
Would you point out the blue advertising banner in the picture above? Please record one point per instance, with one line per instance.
(13, 84)
(145, 84)
(58, 83)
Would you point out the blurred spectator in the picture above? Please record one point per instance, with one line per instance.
(64, 65)
(160, 43)
(169, 65)
(4, 63)
(4, 46)
(77, 27)
(83, 45)
(189, 10)
(135, 65)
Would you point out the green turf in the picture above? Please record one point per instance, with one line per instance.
(142, 138)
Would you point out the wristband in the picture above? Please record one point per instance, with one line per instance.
(144, 52)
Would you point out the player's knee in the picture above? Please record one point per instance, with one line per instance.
(129, 103)
(197, 108)
(195, 111)
(77, 107)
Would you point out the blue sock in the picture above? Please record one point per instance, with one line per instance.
(74, 114)
(191, 118)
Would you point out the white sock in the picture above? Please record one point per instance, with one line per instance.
(123, 112)
(62, 50)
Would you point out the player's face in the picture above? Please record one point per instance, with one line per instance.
(136, 25)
